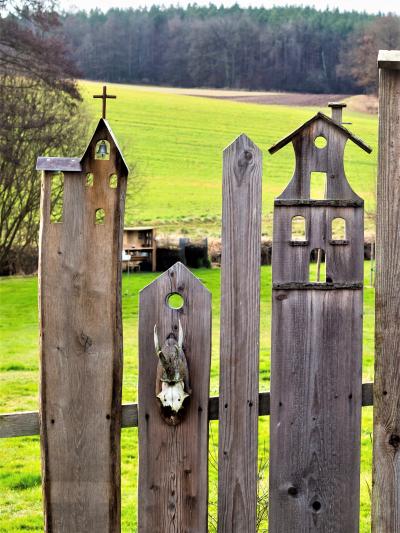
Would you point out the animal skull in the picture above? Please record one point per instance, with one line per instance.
(172, 395)
(172, 371)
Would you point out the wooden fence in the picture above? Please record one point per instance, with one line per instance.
(316, 389)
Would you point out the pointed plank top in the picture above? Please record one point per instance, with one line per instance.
(283, 142)
(178, 271)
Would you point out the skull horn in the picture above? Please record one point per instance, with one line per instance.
(180, 336)
(156, 342)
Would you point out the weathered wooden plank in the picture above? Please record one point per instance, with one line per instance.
(386, 467)
(318, 286)
(389, 59)
(173, 459)
(64, 164)
(81, 347)
(316, 350)
(27, 423)
(318, 203)
(240, 317)
(19, 424)
(315, 411)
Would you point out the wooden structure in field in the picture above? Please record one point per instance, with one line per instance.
(316, 340)
(81, 335)
(386, 469)
(140, 243)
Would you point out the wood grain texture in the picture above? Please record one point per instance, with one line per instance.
(240, 318)
(81, 348)
(315, 411)
(316, 349)
(329, 159)
(386, 467)
(389, 59)
(344, 263)
(173, 460)
(27, 423)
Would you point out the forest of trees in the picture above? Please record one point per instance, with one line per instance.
(287, 49)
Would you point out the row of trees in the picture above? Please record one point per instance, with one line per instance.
(40, 110)
(291, 48)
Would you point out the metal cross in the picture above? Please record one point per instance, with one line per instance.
(104, 97)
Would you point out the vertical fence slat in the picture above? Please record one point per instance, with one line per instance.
(81, 348)
(173, 460)
(386, 468)
(316, 348)
(240, 317)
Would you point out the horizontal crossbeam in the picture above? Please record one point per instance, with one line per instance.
(26, 424)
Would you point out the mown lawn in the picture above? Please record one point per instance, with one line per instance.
(20, 491)
(173, 144)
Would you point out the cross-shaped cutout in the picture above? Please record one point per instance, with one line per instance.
(104, 97)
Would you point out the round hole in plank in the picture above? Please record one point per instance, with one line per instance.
(175, 300)
(320, 141)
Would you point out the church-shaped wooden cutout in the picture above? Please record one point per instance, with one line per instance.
(332, 226)
(82, 211)
(316, 352)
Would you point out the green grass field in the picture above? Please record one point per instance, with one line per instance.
(20, 491)
(173, 144)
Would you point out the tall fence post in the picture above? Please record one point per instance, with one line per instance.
(316, 349)
(240, 322)
(386, 467)
(173, 445)
(81, 336)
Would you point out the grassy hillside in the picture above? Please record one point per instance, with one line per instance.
(20, 491)
(174, 144)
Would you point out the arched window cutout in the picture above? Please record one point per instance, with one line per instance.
(89, 180)
(317, 266)
(338, 229)
(102, 150)
(320, 141)
(100, 216)
(318, 185)
(113, 181)
(299, 228)
(56, 197)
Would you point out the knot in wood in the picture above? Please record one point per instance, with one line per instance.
(243, 162)
(394, 440)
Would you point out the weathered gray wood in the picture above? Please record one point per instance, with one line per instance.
(318, 203)
(19, 424)
(317, 286)
(316, 350)
(386, 468)
(319, 120)
(81, 348)
(173, 459)
(389, 59)
(64, 164)
(315, 411)
(27, 423)
(240, 317)
(345, 263)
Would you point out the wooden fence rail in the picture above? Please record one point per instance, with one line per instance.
(26, 424)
